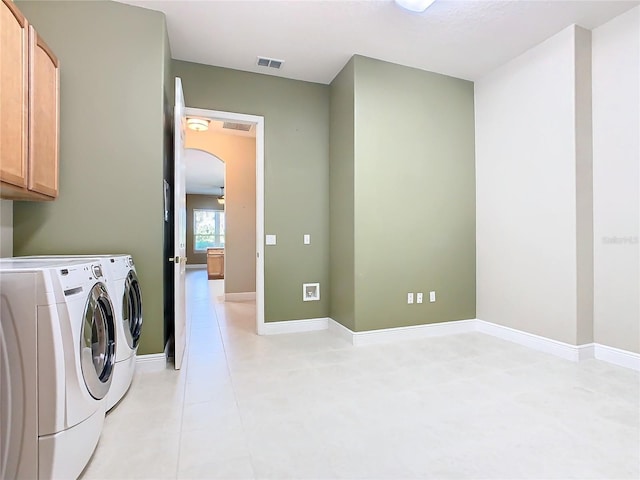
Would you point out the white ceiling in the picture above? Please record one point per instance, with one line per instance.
(465, 39)
(204, 172)
(315, 38)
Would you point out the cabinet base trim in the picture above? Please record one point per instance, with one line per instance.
(240, 297)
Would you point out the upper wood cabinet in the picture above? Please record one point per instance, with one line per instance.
(14, 112)
(29, 111)
(44, 114)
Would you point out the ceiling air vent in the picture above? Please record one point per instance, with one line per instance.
(244, 127)
(270, 62)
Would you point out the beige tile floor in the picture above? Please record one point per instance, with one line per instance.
(311, 406)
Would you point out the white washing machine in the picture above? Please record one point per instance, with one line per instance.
(124, 289)
(57, 355)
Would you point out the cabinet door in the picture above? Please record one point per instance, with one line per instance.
(44, 95)
(215, 264)
(13, 95)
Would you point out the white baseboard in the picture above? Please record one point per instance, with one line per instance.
(153, 362)
(240, 297)
(340, 330)
(617, 356)
(536, 342)
(196, 265)
(574, 353)
(295, 326)
(385, 335)
(586, 351)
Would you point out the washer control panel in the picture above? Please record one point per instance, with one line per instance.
(97, 271)
(73, 278)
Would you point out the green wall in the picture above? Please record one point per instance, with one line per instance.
(414, 194)
(114, 61)
(296, 175)
(393, 203)
(341, 194)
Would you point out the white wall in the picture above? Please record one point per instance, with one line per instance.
(616, 155)
(530, 144)
(6, 228)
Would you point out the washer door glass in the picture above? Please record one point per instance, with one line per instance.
(97, 343)
(132, 309)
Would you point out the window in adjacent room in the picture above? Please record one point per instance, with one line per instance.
(208, 229)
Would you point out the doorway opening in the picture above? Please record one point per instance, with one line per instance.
(236, 263)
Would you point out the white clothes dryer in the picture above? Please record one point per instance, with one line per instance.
(124, 289)
(57, 355)
(127, 295)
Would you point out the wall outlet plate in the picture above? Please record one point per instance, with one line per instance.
(270, 240)
(310, 292)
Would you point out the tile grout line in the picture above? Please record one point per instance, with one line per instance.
(184, 391)
(233, 388)
(184, 395)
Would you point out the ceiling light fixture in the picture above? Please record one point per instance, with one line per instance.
(415, 5)
(198, 124)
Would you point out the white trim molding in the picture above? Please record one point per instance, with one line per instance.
(259, 123)
(586, 351)
(385, 335)
(295, 326)
(574, 353)
(617, 356)
(536, 342)
(240, 297)
(152, 362)
(340, 330)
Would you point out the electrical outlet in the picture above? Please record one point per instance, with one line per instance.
(432, 296)
(419, 297)
(409, 297)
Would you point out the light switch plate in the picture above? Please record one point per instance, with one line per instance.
(307, 239)
(270, 240)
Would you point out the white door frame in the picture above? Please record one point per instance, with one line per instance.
(259, 123)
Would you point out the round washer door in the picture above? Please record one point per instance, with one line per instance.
(132, 309)
(13, 404)
(97, 342)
